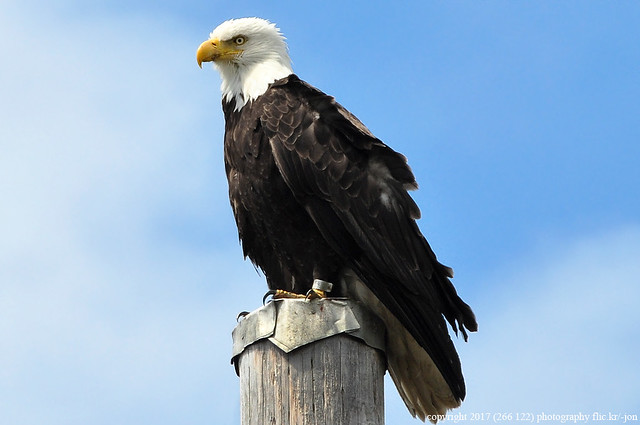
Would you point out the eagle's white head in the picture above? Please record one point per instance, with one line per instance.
(250, 54)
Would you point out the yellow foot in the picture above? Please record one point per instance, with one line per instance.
(277, 294)
(281, 293)
(314, 294)
(319, 290)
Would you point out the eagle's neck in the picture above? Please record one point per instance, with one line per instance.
(245, 82)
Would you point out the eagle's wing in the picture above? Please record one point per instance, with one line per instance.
(355, 189)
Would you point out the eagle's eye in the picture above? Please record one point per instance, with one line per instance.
(239, 40)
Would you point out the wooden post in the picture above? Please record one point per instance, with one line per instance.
(335, 380)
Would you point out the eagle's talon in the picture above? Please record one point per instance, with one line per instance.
(270, 293)
(319, 289)
(315, 294)
(241, 315)
(277, 294)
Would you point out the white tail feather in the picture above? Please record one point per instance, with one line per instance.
(419, 382)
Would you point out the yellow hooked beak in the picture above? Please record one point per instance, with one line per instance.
(214, 49)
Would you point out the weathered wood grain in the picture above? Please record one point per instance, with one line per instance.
(333, 381)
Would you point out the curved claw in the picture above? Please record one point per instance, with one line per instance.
(314, 294)
(241, 315)
(270, 293)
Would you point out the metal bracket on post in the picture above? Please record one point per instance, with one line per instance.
(292, 323)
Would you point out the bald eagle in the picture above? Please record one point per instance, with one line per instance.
(317, 197)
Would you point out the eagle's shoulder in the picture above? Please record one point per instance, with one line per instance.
(296, 92)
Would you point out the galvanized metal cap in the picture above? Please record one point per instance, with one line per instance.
(294, 323)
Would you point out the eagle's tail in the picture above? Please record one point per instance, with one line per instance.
(419, 382)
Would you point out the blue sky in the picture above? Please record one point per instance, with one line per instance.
(120, 270)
